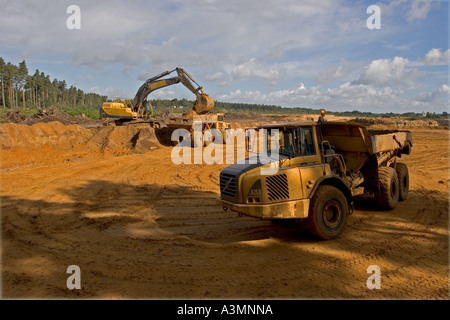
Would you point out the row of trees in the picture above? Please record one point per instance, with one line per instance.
(19, 89)
(219, 106)
(233, 107)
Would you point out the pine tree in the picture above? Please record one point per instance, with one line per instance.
(11, 75)
(23, 74)
(2, 78)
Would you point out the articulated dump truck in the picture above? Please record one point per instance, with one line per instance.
(321, 166)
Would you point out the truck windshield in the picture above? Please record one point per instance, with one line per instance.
(294, 141)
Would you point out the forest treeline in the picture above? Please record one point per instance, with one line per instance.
(19, 89)
(245, 108)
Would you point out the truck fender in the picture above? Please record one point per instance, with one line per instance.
(336, 182)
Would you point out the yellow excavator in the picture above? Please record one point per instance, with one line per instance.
(125, 111)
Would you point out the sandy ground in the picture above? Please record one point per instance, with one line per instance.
(139, 226)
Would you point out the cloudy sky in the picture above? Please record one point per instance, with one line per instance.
(305, 53)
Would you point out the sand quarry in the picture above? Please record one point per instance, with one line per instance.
(110, 200)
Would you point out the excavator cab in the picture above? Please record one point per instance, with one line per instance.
(119, 108)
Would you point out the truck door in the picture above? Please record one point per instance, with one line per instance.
(308, 161)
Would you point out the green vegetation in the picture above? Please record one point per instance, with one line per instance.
(38, 91)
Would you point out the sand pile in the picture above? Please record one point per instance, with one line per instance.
(55, 135)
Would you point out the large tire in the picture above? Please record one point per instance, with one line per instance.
(388, 196)
(403, 180)
(328, 213)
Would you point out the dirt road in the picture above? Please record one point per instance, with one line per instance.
(139, 226)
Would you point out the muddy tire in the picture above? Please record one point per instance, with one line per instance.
(403, 180)
(388, 196)
(328, 213)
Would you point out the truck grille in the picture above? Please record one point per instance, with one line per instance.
(277, 187)
(228, 185)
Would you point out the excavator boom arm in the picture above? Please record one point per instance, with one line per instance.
(203, 103)
(139, 102)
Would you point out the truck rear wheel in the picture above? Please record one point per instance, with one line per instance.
(328, 213)
(403, 180)
(388, 196)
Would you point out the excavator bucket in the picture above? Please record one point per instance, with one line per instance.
(203, 104)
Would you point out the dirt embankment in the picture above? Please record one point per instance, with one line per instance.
(52, 141)
(111, 201)
(50, 114)
(400, 123)
(393, 122)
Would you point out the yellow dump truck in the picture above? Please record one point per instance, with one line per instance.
(321, 166)
(208, 121)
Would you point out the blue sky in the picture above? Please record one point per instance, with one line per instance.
(317, 54)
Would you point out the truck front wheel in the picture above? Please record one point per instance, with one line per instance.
(328, 213)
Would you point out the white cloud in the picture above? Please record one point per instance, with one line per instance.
(299, 95)
(216, 76)
(442, 91)
(274, 97)
(110, 92)
(163, 94)
(413, 9)
(348, 96)
(382, 72)
(436, 57)
(419, 10)
(336, 72)
(254, 68)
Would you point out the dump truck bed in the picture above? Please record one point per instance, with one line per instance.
(387, 140)
(178, 120)
(346, 136)
(356, 143)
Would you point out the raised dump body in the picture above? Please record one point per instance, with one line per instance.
(212, 120)
(356, 143)
(207, 121)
